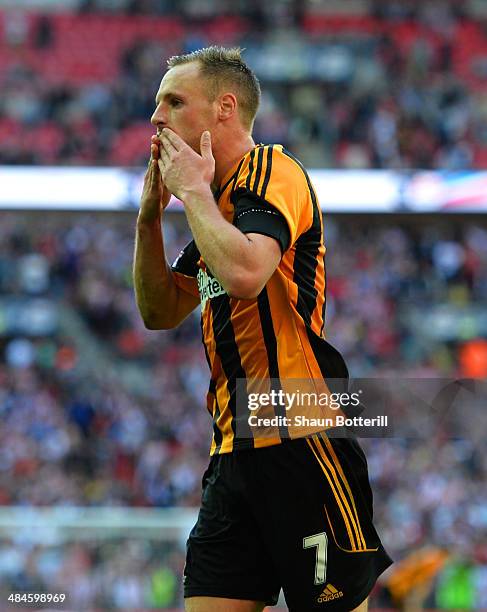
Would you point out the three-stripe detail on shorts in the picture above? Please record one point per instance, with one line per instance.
(339, 485)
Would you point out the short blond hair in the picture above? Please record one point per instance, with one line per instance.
(225, 68)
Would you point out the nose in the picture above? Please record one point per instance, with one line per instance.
(158, 118)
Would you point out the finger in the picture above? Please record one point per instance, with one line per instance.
(150, 163)
(167, 146)
(173, 138)
(164, 155)
(154, 169)
(205, 145)
(162, 169)
(154, 149)
(155, 176)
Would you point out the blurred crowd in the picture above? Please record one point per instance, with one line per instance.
(129, 574)
(98, 433)
(96, 410)
(387, 85)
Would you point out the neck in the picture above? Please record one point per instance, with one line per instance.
(231, 149)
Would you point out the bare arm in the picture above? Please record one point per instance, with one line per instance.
(243, 263)
(162, 304)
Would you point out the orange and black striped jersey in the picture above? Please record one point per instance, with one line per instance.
(280, 334)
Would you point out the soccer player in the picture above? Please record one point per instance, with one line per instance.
(277, 511)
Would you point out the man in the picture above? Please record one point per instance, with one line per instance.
(276, 512)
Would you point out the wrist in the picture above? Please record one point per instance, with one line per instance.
(196, 192)
(148, 221)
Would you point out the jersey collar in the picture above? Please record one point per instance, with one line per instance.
(232, 173)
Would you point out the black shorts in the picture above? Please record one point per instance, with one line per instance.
(297, 515)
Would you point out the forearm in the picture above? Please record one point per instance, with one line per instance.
(155, 289)
(224, 248)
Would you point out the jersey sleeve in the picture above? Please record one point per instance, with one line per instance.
(185, 269)
(271, 196)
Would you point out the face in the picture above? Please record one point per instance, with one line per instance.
(183, 106)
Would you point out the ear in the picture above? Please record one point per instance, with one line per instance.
(227, 106)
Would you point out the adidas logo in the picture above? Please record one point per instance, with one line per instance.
(329, 593)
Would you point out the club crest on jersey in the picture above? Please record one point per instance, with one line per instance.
(208, 287)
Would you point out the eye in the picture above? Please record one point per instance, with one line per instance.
(175, 102)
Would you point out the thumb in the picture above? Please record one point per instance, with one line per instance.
(205, 145)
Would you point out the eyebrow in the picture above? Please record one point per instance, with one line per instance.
(169, 94)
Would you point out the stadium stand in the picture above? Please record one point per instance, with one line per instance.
(347, 94)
